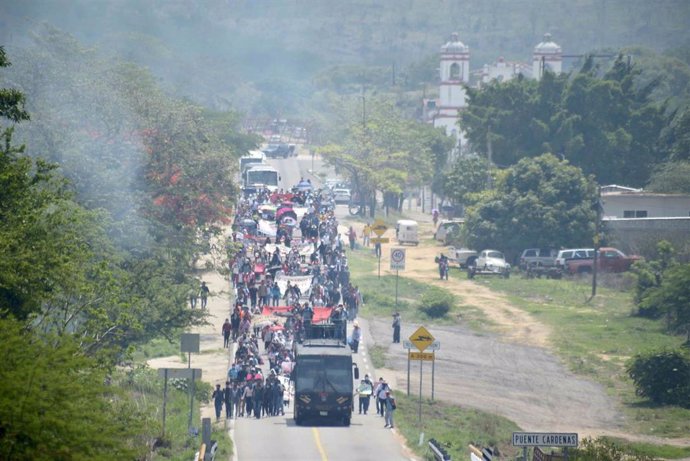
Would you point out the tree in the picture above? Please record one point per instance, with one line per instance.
(386, 152)
(607, 125)
(539, 202)
(104, 272)
(54, 404)
(671, 178)
(672, 298)
(39, 234)
(467, 175)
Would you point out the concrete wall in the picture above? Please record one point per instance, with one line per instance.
(640, 236)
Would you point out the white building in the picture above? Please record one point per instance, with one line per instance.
(455, 74)
(635, 203)
(547, 55)
(503, 71)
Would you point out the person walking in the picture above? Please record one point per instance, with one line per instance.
(396, 327)
(235, 320)
(356, 337)
(390, 407)
(352, 237)
(364, 392)
(381, 389)
(366, 235)
(193, 295)
(203, 294)
(227, 400)
(226, 331)
(218, 396)
(275, 294)
(247, 397)
(235, 397)
(258, 399)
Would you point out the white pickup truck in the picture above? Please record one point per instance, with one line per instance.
(460, 256)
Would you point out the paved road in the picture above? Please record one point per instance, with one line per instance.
(279, 438)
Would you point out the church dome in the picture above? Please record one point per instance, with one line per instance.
(454, 45)
(547, 46)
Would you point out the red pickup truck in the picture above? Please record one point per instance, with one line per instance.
(609, 260)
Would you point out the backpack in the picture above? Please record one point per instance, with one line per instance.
(393, 404)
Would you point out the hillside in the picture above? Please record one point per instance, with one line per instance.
(262, 56)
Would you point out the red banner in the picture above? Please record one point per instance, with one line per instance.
(321, 314)
(273, 310)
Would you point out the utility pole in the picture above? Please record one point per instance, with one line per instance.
(597, 244)
(490, 154)
(364, 109)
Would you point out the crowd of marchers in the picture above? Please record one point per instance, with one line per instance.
(290, 271)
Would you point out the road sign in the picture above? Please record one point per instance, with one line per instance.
(379, 227)
(407, 344)
(428, 356)
(422, 338)
(397, 259)
(189, 342)
(180, 373)
(544, 439)
(380, 240)
(436, 345)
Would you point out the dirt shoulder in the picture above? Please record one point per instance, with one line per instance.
(510, 371)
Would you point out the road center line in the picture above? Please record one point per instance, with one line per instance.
(317, 439)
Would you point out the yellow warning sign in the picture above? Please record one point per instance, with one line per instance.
(379, 227)
(422, 338)
(427, 356)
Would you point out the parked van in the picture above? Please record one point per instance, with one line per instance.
(574, 253)
(543, 257)
(406, 231)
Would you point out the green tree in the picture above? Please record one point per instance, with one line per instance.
(542, 202)
(650, 273)
(672, 298)
(671, 178)
(54, 404)
(607, 125)
(385, 152)
(72, 270)
(467, 175)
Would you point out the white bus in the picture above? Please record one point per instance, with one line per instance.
(259, 176)
(254, 157)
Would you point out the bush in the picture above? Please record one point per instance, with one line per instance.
(436, 302)
(602, 449)
(663, 377)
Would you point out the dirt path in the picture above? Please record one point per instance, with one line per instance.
(511, 371)
(213, 359)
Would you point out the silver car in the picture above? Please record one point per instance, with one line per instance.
(341, 195)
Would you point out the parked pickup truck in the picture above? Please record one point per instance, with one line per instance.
(463, 257)
(609, 260)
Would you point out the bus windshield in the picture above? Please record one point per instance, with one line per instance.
(246, 161)
(324, 373)
(267, 177)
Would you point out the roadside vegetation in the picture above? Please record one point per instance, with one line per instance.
(145, 387)
(101, 214)
(597, 339)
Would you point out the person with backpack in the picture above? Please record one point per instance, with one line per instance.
(390, 407)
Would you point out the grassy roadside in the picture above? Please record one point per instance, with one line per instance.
(453, 426)
(379, 295)
(596, 339)
(147, 390)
